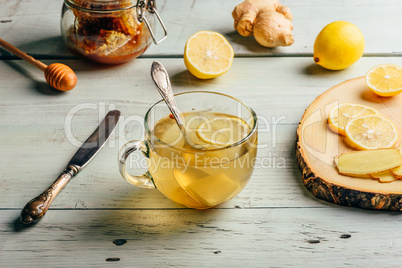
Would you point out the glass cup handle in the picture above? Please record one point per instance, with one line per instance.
(145, 180)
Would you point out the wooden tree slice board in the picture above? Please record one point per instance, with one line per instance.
(316, 147)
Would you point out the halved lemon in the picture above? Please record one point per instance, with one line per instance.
(371, 132)
(385, 79)
(341, 114)
(223, 131)
(208, 54)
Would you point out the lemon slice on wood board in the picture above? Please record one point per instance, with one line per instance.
(340, 115)
(371, 132)
(385, 79)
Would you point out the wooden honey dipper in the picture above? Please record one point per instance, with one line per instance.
(58, 76)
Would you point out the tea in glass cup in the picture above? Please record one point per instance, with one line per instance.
(207, 164)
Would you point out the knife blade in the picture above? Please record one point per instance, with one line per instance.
(37, 207)
(95, 142)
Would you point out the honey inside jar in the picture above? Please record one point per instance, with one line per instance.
(104, 31)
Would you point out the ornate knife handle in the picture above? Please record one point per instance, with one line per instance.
(37, 207)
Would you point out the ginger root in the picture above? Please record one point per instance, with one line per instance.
(360, 163)
(268, 20)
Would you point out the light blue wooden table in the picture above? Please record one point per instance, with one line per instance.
(275, 221)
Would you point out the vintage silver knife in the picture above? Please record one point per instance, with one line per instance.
(37, 207)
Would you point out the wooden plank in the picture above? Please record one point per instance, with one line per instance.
(315, 237)
(34, 26)
(35, 147)
(275, 86)
(32, 157)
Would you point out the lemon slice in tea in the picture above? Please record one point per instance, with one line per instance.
(223, 131)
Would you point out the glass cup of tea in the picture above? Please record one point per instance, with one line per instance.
(208, 163)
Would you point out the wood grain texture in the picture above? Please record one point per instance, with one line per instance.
(213, 238)
(33, 117)
(276, 181)
(316, 147)
(278, 86)
(34, 26)
(98, 220)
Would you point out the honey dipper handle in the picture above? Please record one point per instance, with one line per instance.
(22, 55)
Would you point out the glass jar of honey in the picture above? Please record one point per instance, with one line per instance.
(109, 31)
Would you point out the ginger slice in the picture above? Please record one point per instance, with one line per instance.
(368, 161)
(397, 172)
(385, 176)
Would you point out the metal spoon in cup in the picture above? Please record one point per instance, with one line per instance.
(161, 79)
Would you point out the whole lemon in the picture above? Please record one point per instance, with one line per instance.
(338, 45)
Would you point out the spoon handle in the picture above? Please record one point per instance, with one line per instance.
(162, 82)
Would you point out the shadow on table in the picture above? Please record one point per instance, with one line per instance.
(296, 173)
(249, 42)
(17, 226)
(54, 47)
(151, 216)
(185, 78)
(315, 69)
(40, 86)
(83, 65)
(149, 225)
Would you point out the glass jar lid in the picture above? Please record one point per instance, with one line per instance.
(101, 5)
